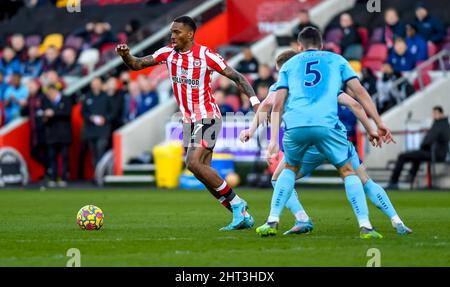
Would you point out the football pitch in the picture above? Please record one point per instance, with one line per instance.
(180, 228)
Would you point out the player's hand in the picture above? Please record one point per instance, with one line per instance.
(385, 133)
(374, 138)
(245, 135)
(123, 50)
(273, 150)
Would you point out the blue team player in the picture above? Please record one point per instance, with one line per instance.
(306, 96)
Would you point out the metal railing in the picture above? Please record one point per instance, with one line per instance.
(153, 39)
(439, 58)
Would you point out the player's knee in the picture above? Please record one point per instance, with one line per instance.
(346, 170)
(193, 165)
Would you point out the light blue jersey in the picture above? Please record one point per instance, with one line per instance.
(313, 79)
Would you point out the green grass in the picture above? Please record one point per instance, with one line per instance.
(180, 228)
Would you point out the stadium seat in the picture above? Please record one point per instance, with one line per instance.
(56, 40)
(377, 52)
(432, 49)
(334, 35)
(33, 40)
(122, 37)
(332, 47)
(356, 65)
(364, 35)
(89, 58)
(377, 36)
(425, 78)
(374, 65)
(233, 101)
(74, 42)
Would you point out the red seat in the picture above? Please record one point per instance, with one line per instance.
(122, 37)
(432, 49)
(107, 47)
(233, 101)
(426, 80)
(364, 35)
(330, 46)
(374, 65)
(377, 52)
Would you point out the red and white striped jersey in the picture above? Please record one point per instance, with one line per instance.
(190, 73)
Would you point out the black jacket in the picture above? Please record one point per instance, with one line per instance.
(97, 105)
(58, 129)
(351, 37)
(439, 136)
(431, 29)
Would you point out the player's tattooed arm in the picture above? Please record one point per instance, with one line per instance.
(133, 62)
(242, 83)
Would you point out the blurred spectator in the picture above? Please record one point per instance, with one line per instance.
(349, 120)
(95, 34)
(96, 111)
(58, 133)
(400, 58)
(51, 78)
(220, 101)
(385, 100)
(149, 97)
(245, 104)
(265, 77)
(18, 44)
(228, 87)
(262, 91)
(32, 67)
(428, 26)
(132, 99)
(416, 44)
(351, 44)
(116, 98)
(124, 79)
(15, 97)
(304, 21)
(35, 112)
(51, 60)
(393, 27)
(436, 140)
(249, 64)
(9, 64)
(3, 86)
(69, 65)
(369, 80)
(132, 27)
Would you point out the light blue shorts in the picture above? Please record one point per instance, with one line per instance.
(313, 159)
(331, 143)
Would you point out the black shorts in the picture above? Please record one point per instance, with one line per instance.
(202, 133)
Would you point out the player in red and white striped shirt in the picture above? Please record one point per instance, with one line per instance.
(190, 68)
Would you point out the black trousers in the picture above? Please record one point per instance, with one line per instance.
(53, 151)
(98, 148)
(415, 157)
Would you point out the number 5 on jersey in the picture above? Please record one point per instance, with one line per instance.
(315, 73)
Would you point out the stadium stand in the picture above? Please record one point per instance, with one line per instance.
(93, 39)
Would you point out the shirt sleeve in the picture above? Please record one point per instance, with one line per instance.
(282, 79)
(161, 55)
(347, 73)
(215, 61)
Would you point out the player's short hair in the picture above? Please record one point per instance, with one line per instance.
(186, 20)
(439, 109)
(284, 57)
(310, 37)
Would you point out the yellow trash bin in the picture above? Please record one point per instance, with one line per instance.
(168, 158)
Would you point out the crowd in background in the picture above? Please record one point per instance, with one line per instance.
(34, 71)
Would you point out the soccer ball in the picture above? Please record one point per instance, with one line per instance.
(90, 217)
